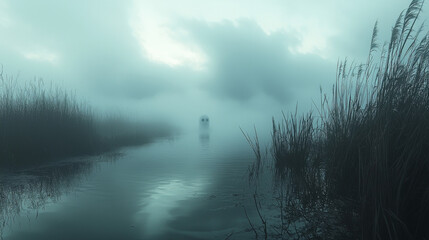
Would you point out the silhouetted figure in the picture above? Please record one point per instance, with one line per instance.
(204, 131)
(204, 122)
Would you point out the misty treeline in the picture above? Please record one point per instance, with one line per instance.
(40, 122)
(358, 167)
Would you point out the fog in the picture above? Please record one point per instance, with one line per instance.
(240, 63)
(153, 119)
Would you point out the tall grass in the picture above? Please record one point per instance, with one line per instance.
(362, 167)
(41, 123)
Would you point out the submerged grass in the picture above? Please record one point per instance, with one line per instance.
(41, 123)
(362, 168)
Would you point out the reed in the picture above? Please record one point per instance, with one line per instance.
(40, 123)
(363, 167)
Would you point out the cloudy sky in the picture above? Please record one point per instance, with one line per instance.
(180, 59)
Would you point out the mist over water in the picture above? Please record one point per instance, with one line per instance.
(144, 119)
(186, 187)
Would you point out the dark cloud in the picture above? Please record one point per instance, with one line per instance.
(246, 62)
(97, 51)
(95, 46)
(249, 74)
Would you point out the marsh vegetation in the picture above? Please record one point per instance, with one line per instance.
(358, 167)
(40, 123)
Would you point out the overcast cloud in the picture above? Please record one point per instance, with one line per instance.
(159, 58)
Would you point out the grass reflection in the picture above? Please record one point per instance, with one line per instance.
(26, 192)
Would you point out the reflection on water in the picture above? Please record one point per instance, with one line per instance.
(28, 191)
(158, 206)
(189, 187)
(205, 139)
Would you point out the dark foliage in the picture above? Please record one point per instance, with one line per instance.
(41, 123)
(361, 170)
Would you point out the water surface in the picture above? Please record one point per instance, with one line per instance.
(187, 187)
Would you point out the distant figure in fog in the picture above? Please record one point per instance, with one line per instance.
(204, 122)
(204, 131)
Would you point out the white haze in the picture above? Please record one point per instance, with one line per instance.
(239, 62)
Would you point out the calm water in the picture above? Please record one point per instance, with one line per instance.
(190, 187)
